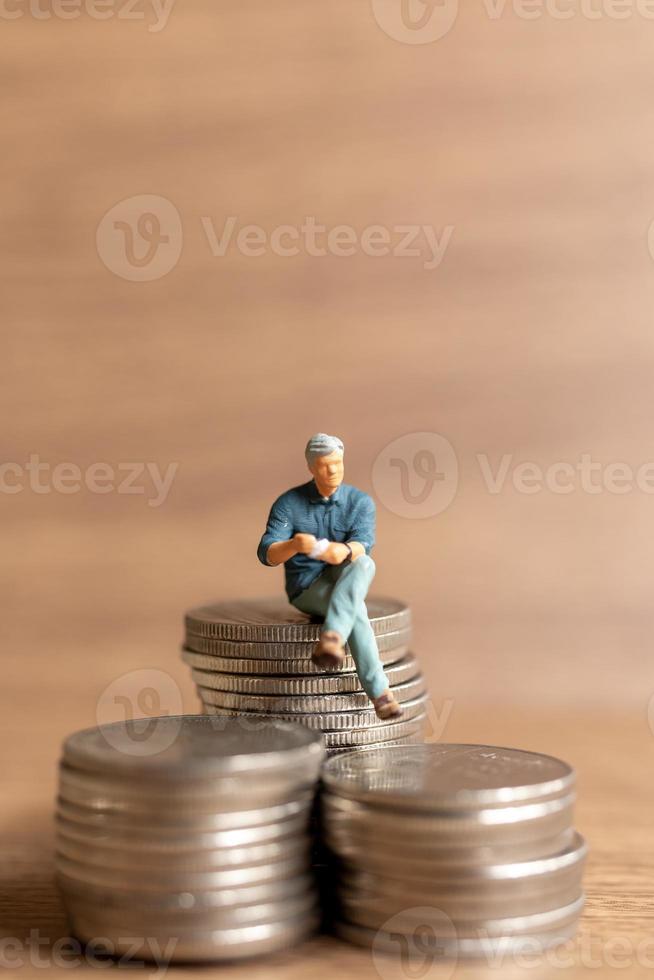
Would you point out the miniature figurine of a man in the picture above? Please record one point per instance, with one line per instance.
(323, 531)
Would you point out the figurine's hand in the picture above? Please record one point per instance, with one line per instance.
(335, 554)
(305, 543)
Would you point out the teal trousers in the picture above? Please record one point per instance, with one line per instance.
(339, 594)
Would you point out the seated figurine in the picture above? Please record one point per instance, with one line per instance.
(323, 531)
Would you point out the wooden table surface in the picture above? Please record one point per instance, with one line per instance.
(531, 137)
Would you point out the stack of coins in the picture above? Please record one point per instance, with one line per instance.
(469, 846)
(254, 658)
(190, 832)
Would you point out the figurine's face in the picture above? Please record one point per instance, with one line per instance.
(328, 472)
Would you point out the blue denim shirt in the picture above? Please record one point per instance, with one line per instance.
(348, 515)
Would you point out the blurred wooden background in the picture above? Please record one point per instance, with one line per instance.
(532, 338)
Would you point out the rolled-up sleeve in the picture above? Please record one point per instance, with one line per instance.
(278, 528)
(363, 524)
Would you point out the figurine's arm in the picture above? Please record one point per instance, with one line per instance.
(362, 535)
(337, 552)
(281, 551)
(278, 542)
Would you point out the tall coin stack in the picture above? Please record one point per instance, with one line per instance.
(253, 658)
(469, 846)
(190, 832)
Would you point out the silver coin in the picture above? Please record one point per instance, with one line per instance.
(533, 871)
(269, 782)
(415, 739)
(515, 935)
(104, 794)
(190, 747)
(200, 945)
(371, 909)
(439, 775)
(113, 818)
(128, 916)
(279, 704)
(321, 685)
(400, 879)
(409, 851)
(376, 733)
(173, 880)
(276, 621)
(337, 722)
(387, 644)
(530, 923)
(150, 840)
(131, 859)
(185, 902)
(298, 667)
(510, 826)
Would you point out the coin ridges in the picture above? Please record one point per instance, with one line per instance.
(376, 733)
(283, 668)
(388, 645)
(304, 703)
(323, 684)
(274, 620)
(324, 721)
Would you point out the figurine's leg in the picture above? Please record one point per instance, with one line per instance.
(339, 595)
(348, 616)
(365, 654)
(315, 599)
(329, 652)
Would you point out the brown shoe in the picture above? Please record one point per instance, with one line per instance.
(386, 706)
(329, 652)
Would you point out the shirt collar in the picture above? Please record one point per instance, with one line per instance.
(316, 498)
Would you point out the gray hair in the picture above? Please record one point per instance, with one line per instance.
(322, 445)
